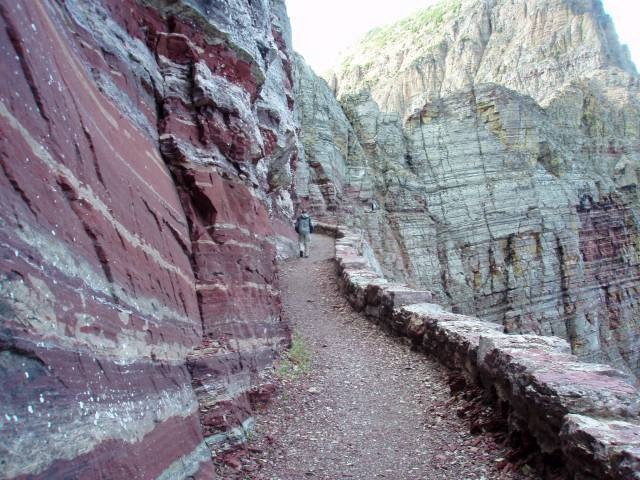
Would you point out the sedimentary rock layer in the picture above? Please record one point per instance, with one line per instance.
(146, 151)
(501, 140)
(534, 47)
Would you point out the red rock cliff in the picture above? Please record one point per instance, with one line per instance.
(146, 149)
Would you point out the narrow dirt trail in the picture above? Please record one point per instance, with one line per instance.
(368, 407)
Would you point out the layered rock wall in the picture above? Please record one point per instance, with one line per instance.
(331, 156)
(501, 140)
(146, 151)
(150, 156)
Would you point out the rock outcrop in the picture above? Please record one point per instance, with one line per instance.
(502, 141)
(534, 47)
(147, 150)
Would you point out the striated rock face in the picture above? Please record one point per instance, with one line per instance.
(502, 141)
(146, 151)
(331, 156)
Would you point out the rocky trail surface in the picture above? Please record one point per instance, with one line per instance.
(367, 406)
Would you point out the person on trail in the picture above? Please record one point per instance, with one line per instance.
(304, 228)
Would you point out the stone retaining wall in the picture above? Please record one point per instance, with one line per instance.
(588, 414)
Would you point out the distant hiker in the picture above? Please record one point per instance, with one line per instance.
(304, 228)
(374, 205)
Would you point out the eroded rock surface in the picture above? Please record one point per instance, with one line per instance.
(501, 140)
(146, 151)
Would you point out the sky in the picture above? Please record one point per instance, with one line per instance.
(323, 29)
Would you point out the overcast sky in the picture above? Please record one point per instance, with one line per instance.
(323, 29)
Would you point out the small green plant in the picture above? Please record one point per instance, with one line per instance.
(346, 63)
(250, 435)
(296, 360)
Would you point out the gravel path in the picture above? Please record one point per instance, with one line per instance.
(368, 407)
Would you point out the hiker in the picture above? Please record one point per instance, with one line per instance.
(304, 228)
(374, 205)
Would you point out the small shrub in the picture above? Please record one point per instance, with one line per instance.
(295, 361)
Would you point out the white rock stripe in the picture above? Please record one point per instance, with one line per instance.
(232, 437)
(59, 256)
(234, 243)
(243, 230)
(51, 434)
(188, 465)
(245, 285)
(98, 102)
(35, 304)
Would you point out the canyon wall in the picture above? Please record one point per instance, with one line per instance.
(502, 141)
(147, 151)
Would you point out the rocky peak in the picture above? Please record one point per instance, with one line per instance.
(532, 47)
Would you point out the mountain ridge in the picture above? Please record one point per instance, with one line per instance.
(473, 37)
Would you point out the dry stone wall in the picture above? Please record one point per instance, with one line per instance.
(587, 414)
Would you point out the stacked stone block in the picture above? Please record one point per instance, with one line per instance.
(586, 413)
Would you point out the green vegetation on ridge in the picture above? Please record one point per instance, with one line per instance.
(423, 21)
(411, 30)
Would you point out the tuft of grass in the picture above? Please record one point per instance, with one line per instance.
(295, 361)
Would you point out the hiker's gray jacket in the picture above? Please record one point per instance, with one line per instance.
(304, 225)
